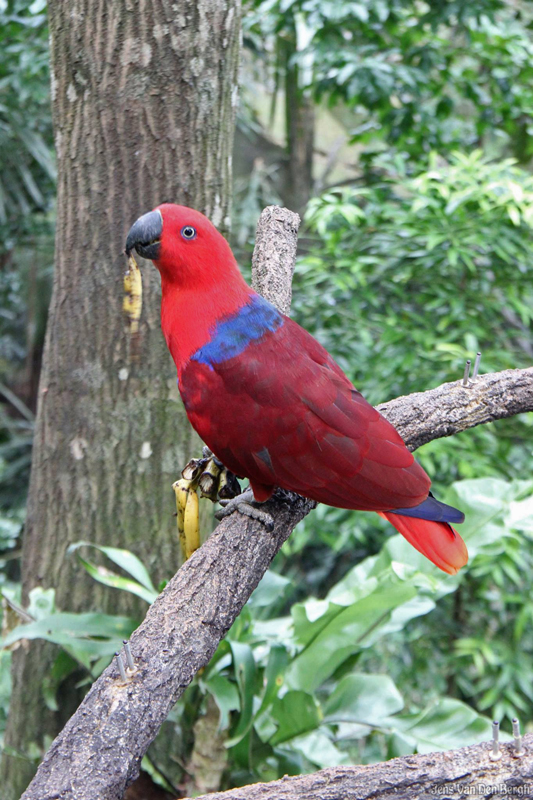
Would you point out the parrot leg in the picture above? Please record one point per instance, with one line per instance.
(245, 504)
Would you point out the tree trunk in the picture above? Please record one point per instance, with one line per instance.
(300, 127)
(144, 99)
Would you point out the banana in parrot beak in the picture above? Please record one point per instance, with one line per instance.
(144, 237)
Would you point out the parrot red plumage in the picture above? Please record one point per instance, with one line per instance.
(270, 401)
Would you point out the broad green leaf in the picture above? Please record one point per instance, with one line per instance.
(514, 215)
(485, 503)
(294, 714)
(318, 748)
(226, 697)
(445, 725)
(347, 632)
(365, 699)
(278, 660)
(521, 515)
(37, 6)
(271, 587)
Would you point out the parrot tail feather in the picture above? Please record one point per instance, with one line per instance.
(434, 510)
(438, 541)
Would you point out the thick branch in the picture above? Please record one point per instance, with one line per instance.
(452, 407)
(274, 255)
(98, 753)
(468, 772)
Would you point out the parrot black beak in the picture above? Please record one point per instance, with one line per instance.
(145, 235)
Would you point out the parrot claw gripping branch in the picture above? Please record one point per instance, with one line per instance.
(270, 402)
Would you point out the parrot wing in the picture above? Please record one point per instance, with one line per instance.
(282, 413)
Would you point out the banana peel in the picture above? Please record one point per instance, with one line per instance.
(212, 479)
(187, 516)
(181, 490)
(191, 523)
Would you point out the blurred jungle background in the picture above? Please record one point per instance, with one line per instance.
(403, 133)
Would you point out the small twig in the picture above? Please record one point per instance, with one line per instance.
(130, 663)
(331, 161)
(17, 403)
(21, 612)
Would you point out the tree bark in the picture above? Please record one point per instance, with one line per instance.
(274, 256)
(468, 772)
(451, 407)
(100, 749)
(144, 98)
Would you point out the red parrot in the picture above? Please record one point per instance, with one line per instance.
(269, 400)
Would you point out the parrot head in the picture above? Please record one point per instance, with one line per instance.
(184, 245)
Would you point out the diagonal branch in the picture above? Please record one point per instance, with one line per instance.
(99, 751)
(451, 408)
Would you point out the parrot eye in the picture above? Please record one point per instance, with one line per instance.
(188, 232)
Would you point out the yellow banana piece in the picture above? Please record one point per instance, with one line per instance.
(191, 523)
(181, 490)
(132, 303)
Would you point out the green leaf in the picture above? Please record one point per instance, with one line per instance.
(244, 666)
(271, 587)
(345, 633)
(485, 502)
(318, 748)
(364, 699)
(110, 578)
(445, 725)
(37, 6)
(294, 714)
(70, 627)
(514, 215)
(226, 697)
(278, 660)
(126, 561)
(521, 515)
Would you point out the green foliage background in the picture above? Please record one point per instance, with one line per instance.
(353, 648)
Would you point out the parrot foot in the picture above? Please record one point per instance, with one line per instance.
(245, 504)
